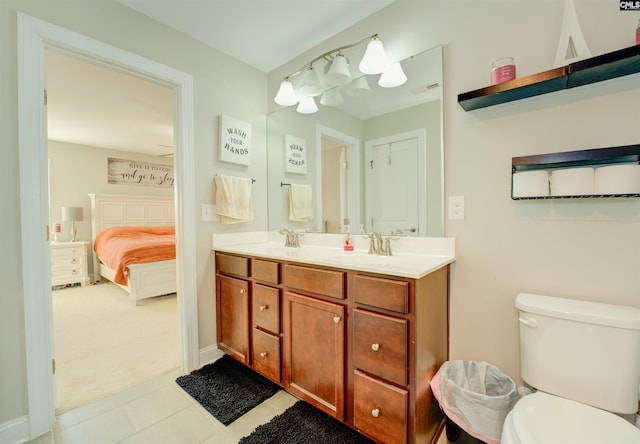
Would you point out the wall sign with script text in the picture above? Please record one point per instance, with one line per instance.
(295, 154)
(235, 141)
(133, 172)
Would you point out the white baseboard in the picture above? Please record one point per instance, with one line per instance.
(209, 354)
(15, 431)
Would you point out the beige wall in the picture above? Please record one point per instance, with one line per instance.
(586, 249)
(222, 85)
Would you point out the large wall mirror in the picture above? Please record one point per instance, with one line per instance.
(375, 162)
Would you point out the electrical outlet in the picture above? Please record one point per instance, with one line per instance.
(456, 207)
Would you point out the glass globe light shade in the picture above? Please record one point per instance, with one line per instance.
(286, 96)
(375, 59)
(307, 106)
(338, 74)
(392, 76)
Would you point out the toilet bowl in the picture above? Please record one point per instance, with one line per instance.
(544, 418)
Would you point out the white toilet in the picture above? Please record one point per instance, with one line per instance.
(583, 358)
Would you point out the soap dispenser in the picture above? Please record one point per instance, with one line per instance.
(347, 245)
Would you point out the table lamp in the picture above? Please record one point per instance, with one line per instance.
(72, 214)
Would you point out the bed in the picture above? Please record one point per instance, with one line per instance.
(143, 280)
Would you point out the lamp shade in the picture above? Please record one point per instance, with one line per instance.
(359, 87)
(338, 74)
(375, 59)
(73, 214)
(310, 85)
(307, 106)
(392, 76)
(286, 96)
(331, 97)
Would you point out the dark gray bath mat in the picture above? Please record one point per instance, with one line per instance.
(304, 424)
(227, 388)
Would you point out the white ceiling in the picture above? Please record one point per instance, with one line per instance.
(97, 106)
(261, 33)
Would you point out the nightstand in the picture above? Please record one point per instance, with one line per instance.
(69, 263)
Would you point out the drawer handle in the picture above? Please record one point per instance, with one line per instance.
(74, 272)
(74, 261)
(264, 307)
(375, 347)
(242, 290)
(336, 319)
(375, 413)
(263, 354)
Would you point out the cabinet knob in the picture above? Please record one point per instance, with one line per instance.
(264, 307)
(263, 354)
(74, 272)
(336, 319)
(242, 291)
(74, 261)
(375, 347)
(375, 413)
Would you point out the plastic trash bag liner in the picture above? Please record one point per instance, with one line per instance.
(476, 396)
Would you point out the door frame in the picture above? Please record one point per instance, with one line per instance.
(352, 145)
(33, 36)
(421, 135)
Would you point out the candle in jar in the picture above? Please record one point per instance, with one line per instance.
(503, 69)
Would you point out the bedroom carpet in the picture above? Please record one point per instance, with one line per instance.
(303, 423)
(227, 389)
(104, 345)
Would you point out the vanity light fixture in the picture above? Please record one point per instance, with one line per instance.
(337, 73)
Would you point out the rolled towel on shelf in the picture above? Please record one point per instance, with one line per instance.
(617, 179)
(533, 183)
(572, 182)
(233, 199)
(300, 202)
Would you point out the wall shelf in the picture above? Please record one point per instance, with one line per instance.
(584, 72)
(629, 154)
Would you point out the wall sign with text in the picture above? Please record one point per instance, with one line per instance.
(235, 141)
(133, 172)
(295, 154)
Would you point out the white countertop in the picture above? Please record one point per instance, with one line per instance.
(413, 257)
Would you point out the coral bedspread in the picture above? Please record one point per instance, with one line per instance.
(120, 247)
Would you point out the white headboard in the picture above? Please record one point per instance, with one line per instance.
(116, 210)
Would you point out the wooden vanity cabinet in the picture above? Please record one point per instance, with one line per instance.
(361, 347)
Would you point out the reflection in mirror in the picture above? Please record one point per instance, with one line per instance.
(374, 162)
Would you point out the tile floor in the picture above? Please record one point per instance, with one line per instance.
(157, 412)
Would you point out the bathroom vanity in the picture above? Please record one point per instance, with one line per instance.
(358, 336)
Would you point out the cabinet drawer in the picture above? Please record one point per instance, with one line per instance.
(382, 293)
(235, 265)
(66, 252)
(324, 282)
(266, 354)
(380, 409)
(380, 345)
(265, 271)
(66, 262)
(266, 308)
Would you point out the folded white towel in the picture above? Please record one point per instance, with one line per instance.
(300, 202)
(233, 199)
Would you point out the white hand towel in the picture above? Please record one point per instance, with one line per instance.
(233, 199)
(300, 202)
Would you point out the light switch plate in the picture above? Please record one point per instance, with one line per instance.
(456, 207)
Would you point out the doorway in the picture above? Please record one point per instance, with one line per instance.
(339, 180)
(33, 36)
(102, 343)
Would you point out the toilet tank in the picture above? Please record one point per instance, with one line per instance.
(585, 351)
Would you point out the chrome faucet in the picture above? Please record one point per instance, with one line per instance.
(379, 246)
(292, 239)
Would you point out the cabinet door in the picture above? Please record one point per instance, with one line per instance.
(314, 363)
(232, 304)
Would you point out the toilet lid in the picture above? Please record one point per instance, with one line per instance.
(544, 418)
